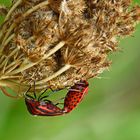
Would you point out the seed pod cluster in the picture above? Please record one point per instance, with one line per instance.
(58, 43)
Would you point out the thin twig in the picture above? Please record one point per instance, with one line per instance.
(12, 64)
(10, 77)
(8, 33)
(2, 58)
(12, 9)
(31, 64)
(40, 5)
(7, 57)
(4, 61)
(7, 94)
(59, 72)
(4, 67)
(12, 67)
(7, 41)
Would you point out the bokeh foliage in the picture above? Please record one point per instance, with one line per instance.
(111, 110)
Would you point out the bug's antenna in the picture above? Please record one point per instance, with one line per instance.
(34, 90)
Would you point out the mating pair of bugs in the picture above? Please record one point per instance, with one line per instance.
(40, 106)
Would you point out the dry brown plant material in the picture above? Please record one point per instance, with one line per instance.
(57, 43)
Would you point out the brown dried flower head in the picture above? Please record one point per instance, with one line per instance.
(56, 43)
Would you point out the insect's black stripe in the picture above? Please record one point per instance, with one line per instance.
(30, 108)
(42, 110)
(47, 113)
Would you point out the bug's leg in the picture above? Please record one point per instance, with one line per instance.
(34, 90)
(59, 104)
(56, 104)
(27, 95)
(27, 91)
(46, 100)
(53, 91)
(55, 101)
(40, 98)
(43, 98)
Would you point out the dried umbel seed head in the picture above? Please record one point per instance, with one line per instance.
(58, 43)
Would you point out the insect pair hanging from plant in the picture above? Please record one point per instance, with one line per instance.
(60, 42)
(41, 106)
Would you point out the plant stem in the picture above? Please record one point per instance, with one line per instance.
(7, 94)
(10, 77)
(12, 9)
(40, 5)
(31, 64)
(7, 57)
(6, 42)
(8, 83)
(59, 72)
(8, 33)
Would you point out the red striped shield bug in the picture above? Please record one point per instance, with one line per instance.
(41, 106)
(75, 95)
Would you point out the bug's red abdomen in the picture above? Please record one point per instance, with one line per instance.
(75, 96)
(42, 108)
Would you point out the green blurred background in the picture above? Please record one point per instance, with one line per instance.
(111, 110)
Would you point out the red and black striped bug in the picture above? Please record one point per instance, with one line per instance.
(42, 107)
(75, 95)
